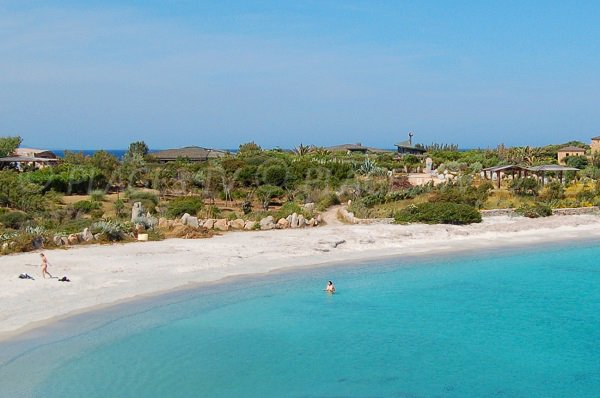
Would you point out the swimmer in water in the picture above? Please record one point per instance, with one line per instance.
(330, 288)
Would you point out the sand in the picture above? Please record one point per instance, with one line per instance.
(107, 274)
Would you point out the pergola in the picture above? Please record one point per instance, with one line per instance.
(18, 160)
(524, 171)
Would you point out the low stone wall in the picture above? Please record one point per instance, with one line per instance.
(575, 211)
(555, 212)
(498, 212)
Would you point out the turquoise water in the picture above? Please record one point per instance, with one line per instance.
(520, 324)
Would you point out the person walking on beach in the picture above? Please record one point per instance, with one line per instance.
(45, 266)
(330, 288)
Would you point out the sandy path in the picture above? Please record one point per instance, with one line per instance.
(103, 274)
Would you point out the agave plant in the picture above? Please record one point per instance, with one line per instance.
(113, 230)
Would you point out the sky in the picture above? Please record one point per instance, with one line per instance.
(101, 74)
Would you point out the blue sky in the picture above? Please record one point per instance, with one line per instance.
(100, 74)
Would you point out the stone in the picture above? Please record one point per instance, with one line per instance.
(57, 239)
(249, 225)
(311, 222)
(5, 246)
(209, 224)
(238, 223)
(73, 239)
(163, 223)
(283, 223)
(319, 219)
(86, 235)
(192, 222)
(65, 240)
(137, 210)
(97, 236)
(428, 165)
(301, 221)
(184, 218)
(289, 219)
(294, 222)
(221, 225)
(267, 223)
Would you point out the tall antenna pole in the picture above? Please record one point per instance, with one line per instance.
(410, 136)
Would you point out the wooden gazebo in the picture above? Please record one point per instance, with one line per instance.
(524, 171)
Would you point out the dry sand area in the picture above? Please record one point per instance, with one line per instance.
(106, 274)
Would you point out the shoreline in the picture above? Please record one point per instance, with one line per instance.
(125, 274)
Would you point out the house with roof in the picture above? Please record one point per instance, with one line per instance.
(564, 153)
(355, 148)
(190, 153)
(29, 157)
(407, 147)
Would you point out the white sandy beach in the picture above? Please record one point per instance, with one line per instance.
(105, 274)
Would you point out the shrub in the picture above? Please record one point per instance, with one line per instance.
(327, 201)
(534, 211)
(553, 191)
(184, 204)
(86, 206)
(525, 186)
(141, 196)
(111, 230)
(119, 207)
(97, 195)
(265, 193)
(14, 219)
(439, 213)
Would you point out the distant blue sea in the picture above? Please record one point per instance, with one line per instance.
(116, 152)
(502, 324)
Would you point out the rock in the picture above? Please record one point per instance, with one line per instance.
(249, 225)
(86, 235)
(192, 222)
(184, 218)
(294, 222)
(267, 223)
(57, 239)
(97, 236)
(136, 210)
(163, 223)
(301, 221)
(318, 219)
(73, 239)
(238, 223)
(221, 225)
(65, 240)
(311, 222)
(209, 224)
(289, 219)
(309, 206)
(283, 223)
(5, 246)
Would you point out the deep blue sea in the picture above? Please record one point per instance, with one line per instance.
(524, 323)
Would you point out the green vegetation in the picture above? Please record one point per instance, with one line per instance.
(184, 204)
(253, 183)
(439, 213)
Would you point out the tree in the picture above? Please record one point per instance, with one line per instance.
(579, 162)
(249, 149)
(8, 145)
(137, 148)
(265, 193)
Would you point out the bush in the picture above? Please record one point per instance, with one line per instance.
(439, 213)
(14, 219)
(111, 230)
(141, 196)
(86, 206)
(291, 208)
(184, 204)
(97, 195)
(327, 201)
(534, 211)
(265, 193)
(525, 186)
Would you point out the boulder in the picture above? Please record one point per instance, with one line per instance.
(65, 240)
(289, 219)
(97, 236)
(192, 222)
(294, 222)
(86, 235)
(221, 225)
(301, 221)
(238, 223)
(209, 224)
(283, 223)
(57, 239)
(184, 218)
(5, 247)
(163, 223)
(318, 219)
(311, 222)
(136, 211)
(249, 225)
(267, 223)
(73, 239)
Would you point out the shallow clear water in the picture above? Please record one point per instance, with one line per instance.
(521, 324)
